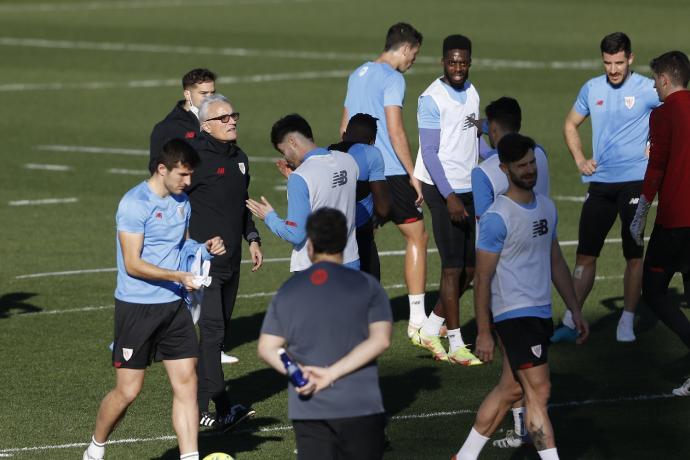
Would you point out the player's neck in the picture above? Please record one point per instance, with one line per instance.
(334, 258)
(157, 186)
(387, 57)
(520, 195)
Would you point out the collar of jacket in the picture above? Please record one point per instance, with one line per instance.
(215, 146)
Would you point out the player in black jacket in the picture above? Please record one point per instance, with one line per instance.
(182, 122)
(217, 194)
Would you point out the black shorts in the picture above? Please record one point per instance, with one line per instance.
(526, 341)
(604, 201)
(455, 241)
(147, 332)
(354, 438)
(403, 208)
(668, 250)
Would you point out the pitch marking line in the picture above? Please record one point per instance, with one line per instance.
(43, 201)
(47, 167)
(127, 5)
(123, 151)
(253, 295)
(268, 260)
(427, 415)
(277, 53)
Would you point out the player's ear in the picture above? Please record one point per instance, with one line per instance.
(205, 127)
(161, 169)
(310, 250)
(187, 95)
(631, 58)
(504, 167)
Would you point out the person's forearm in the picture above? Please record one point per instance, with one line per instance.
(270, 355)
(574, 143)
(359, 356)
(482, 305)
(402, 149)
(560, 275)
(290, 231)
(139, 268)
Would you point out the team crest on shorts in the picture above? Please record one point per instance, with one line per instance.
(127, 353)
(243, 169)
(629, 101)
(536, 350)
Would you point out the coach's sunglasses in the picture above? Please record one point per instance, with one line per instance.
(226, 118)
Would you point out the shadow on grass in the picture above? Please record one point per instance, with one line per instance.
(398, 396)
(257, 386)
(245, 329)
(245, 440)
(17, 301)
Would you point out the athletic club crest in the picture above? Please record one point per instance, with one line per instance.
(127, 353)
(243, 169)
(629, 101)
(536, 350)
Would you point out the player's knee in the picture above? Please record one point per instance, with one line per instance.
(540, 393)
(127, 394)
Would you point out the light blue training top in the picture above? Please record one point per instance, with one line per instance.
(370, 88)
(371, 169)
(164, 223)
(620, 126)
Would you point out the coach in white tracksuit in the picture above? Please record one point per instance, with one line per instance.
(317, 178)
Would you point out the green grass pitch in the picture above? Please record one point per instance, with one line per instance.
(100, 73)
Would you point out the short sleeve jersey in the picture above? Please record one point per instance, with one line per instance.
(323, 313)
(370, 88)
(371, 169)
(163, 222)
(620, 126)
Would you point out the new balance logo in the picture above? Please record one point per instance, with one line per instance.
(634, 200)
(339, 178)
(540, 228)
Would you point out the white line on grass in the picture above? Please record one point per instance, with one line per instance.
(404, 417)
(277, 53)
(129, 5)
(46, 167)
(122, 151)
(129, 172)
(268, 260)
(253, 295)
(43, 201)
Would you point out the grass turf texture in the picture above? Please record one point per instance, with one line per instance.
(55, 364)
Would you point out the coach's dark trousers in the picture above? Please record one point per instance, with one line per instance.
(216, 310)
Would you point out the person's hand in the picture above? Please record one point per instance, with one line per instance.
(257, 256)
(456, 209)
(284, 168)
(587, 167)
(639, 222)
(319, 379)
(484, 348)
(215, 246)
(186, 279)
(471, 122)
(260, 210)
(582, 327)
(417, 185)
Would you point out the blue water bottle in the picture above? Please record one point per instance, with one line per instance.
(293, 371)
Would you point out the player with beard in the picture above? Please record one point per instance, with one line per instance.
(619, 103)
(518, 256)
(447, 154)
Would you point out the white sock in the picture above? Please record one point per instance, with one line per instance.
(417, 312)
(455, 339)
(432, 325)
(472, 447)
(96, 449)
(190, 456)
(568, 319)
(519, 420)
(548, 454)
(627, 318)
